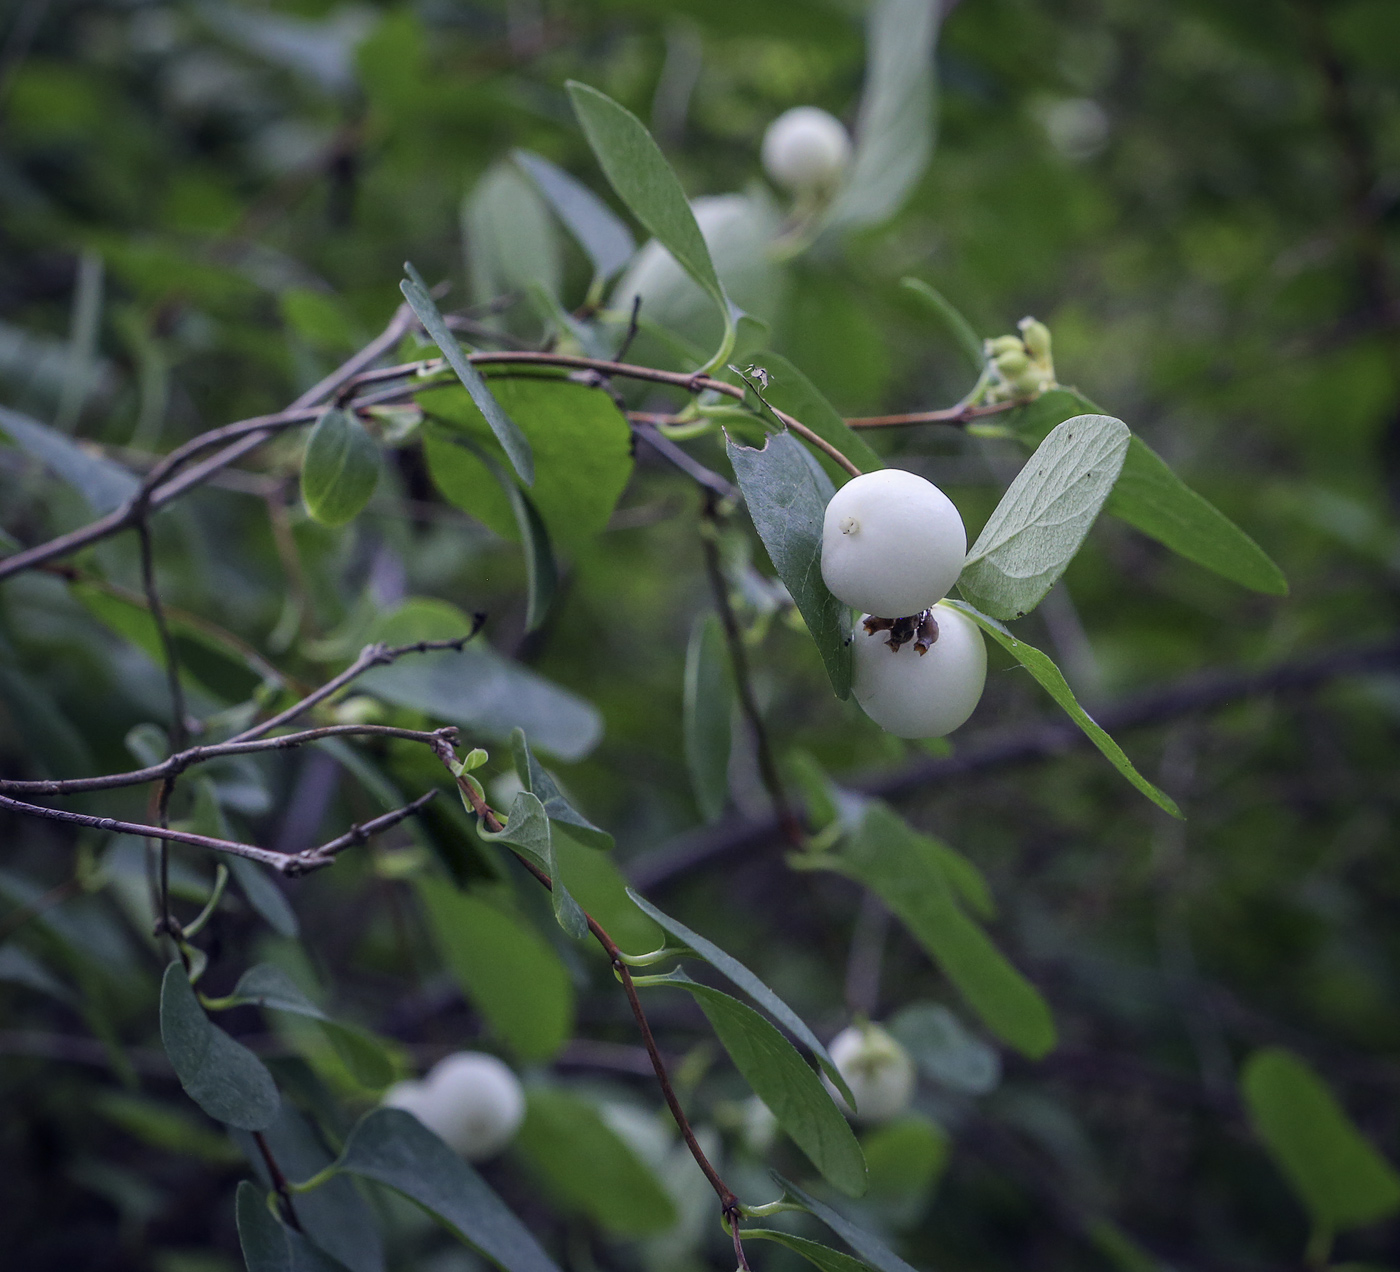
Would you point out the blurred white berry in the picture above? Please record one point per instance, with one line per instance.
(892, 543)
(921, 695)
(470, 1100)
(805, 150)
(876, 1068)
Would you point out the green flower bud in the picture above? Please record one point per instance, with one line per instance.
(1003, 344)
(1037, 337)
(1012, 363)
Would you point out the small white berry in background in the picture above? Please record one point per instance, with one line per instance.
(892, 543)
(470, 1100)
(876, 1068)
(806, 150)
(921, 695)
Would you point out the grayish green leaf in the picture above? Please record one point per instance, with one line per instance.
(607, 242)
(340, 469)
(260, 1234)
(958, 327)
(266, 898)
(1339, 1176)
(537, 780)
(870, 1248)
(512, 440)
(1042, 667)
(791, 391)
(787, 494)
(783, 1081)
(894, 130)
(814, 1252)
(1042, 519)
(395, 1149)
(222, 1076)
(706, 722)
(589, 1167)
(514, 978)
(105, 485)
(740, 976)
(1153, 499)
(527, 828)
(945, 1051)
(510, 241)
(20, 967)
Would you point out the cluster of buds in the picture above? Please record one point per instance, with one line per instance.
(1022, 365)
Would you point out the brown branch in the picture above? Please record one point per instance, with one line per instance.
(279, 1181)
(1207, 691)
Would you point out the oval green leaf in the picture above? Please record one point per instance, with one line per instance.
(706, 719)
(340, 469)
(606, 241)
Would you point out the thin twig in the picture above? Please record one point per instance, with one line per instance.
(767, 765)
(179, 730)
(956, 415)
(279, 1181)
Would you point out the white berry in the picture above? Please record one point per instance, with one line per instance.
(914, 695)
(892, 543)
(876, 1068)
(805, 149)
(470, 1100)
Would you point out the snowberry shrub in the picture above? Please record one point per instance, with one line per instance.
(470, 1099)
(806, 150)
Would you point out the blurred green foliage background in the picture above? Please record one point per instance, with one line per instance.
(206, 206)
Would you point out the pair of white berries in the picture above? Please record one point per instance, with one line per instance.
(470, 1100)
(892, 546)
(878, 1070)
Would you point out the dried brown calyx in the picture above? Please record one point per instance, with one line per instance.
(922, 629)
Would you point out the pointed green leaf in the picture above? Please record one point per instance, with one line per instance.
(505, 967)
(222, 1076)
(904, 869)
(1153, 499)
(395, 1149)
(260, 1233)
(510, 240)
(1044, 516)
(783, 1081)
(906, 1156)
(870, 1248)
(944, 1050)
(266, 898)
(958, 327)
(105, 485)
(601, 889)
(790, 391)
(527, 828)
(1049, 677)
(786, 494)
(1336, 1172)
(512, 440)
(340, 469)
(740, 976)
(706, 721)
(589, 1167)
(606, 241)
(537, 780)
(820, 1256)
(541, 574)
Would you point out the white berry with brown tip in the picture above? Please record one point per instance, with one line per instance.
(470, 1100)
(892, 543)
(920, 695)
(876, 1068)
(806, 150)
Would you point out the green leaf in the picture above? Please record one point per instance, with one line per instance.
(1042, 667)
(395, 1149)
(958, 327)
(638, 171)
(906, 1158)
(163, 1126)
(511, 243)
(601, 888)
(1341, 1179)
(944, 1050)
(340, 469)
(790, 391)
(787, 494)
(1044, 516)
(267, 899)
(19, 967)
(904, 869)
(362, 1054)
(894, 130)
(740, 976)
(814, 1252)
(222, 1076)
(706, 722)
(583, 456)
(512, 440)
(589, 1168)
(869, 1248)
(783, 1081)
(477, 687)
(333, 1214)
(260, 1233)
(1153, 499)
(606, 241)
(503, 965)
(527, 828)
(538, 782)
(105, 485)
